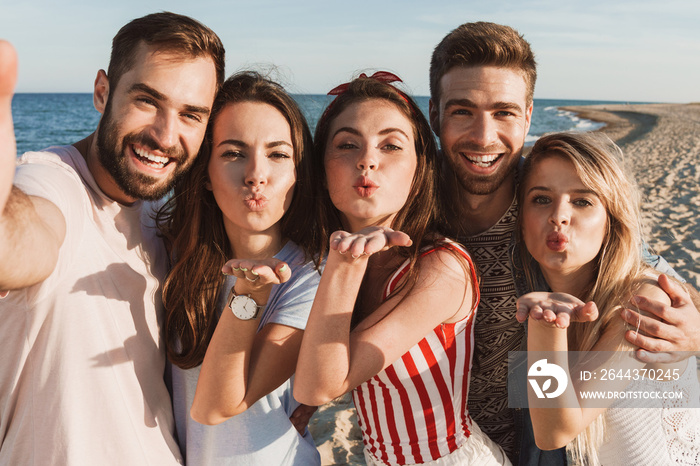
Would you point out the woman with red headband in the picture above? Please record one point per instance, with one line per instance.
(392, 319)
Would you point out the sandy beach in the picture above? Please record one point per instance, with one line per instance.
(661, 143)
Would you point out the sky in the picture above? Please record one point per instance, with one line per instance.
(626, 50)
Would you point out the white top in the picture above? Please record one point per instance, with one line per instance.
(81, 373)
(659, 431)
(263, 434)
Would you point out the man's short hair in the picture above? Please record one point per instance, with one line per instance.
(483, 44)
(167, 32)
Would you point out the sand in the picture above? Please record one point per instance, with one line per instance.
(336, 432)
(661, 143)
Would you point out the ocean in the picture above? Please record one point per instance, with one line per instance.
(43, 120)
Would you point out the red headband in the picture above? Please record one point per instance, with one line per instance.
(381, 76)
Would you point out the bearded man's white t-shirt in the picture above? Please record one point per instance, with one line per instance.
(81, 373)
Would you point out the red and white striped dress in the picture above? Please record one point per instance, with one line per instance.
(415, 410)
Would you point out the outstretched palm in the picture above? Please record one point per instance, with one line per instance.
(367, 241)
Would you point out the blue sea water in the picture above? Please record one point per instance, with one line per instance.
(42, 120)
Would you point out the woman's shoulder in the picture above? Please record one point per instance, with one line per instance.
(446, 268)
(447, 250)
(448, 260)
(647, 285)
(438, 242)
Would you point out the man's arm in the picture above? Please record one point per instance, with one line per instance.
(675, 333)
(31, 232)
(31, 228)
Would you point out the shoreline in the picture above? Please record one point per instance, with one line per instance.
(622, 126)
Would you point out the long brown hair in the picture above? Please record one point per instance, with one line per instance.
(192, 225)
(420, 214)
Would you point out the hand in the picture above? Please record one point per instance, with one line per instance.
(301, 416)
(558, 309)
(8, 149)
(257, 275)
(367, 241)
(670, 338)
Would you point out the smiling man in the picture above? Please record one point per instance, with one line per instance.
(81, 378)
(482, 79)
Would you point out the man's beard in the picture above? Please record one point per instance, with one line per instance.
(482, 185)
(112, 154)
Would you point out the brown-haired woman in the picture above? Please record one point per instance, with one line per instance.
(242, 209)
(392, 319)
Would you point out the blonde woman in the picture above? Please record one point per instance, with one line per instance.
(579, 221)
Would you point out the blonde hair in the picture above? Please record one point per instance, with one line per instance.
(619, 269)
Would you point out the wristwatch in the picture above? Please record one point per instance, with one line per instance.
(242, 305)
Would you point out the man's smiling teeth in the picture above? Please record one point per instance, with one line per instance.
(482, 160)
(150, 159)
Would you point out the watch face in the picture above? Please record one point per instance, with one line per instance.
(244, 307)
